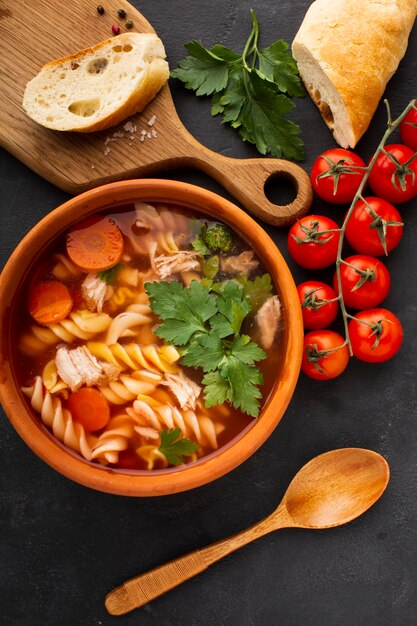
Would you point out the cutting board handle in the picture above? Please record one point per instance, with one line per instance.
(245, 179)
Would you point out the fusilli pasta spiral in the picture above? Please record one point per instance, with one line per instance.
(158, 412)
(52, 381)
(59, 420)
(114, 439)
(79, 325)
(166, 230)
(128, 387)
(132, 355)
(124, 324)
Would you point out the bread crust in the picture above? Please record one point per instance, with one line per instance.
(357, 45)
(154, 72)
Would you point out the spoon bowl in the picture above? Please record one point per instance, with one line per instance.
(336, 487)
(332, 489)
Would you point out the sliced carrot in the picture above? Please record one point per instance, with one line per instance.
(95, 244)
(49, 302)
(89, 408)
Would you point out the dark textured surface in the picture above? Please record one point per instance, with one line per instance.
(64, 546)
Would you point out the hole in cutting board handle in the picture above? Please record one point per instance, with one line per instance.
(280, 189)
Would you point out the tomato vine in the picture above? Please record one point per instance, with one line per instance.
(392, 125)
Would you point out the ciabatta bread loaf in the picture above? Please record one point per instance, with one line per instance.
(100, 86)
(346, 51)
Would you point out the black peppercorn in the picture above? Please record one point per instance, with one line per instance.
(129, 24)
(100, 9)
(121, 13)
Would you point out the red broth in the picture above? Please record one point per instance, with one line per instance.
(120, 337)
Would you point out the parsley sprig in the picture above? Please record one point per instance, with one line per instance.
(251, 90)
(206, 326)
(174, 447)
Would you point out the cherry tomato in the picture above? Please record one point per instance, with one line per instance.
(317, 311)
(379, 339)
(408, 129)
(310, 249)
(395, 183)
(336, 176)
(319, 365)
(365, 281)
(371, 223)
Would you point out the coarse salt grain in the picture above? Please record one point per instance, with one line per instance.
(131, 128)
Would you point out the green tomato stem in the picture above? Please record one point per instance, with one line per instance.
(391, 127)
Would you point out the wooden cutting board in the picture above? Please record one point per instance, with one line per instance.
(33, 32)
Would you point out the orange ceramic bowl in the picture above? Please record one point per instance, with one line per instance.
(210, 467)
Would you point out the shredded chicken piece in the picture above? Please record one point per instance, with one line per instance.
(180, 261)
(95, 292)
(243, 263)
(79, 367)
(268, 318)
(184, 389)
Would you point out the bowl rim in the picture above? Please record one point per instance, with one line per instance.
(227, 457)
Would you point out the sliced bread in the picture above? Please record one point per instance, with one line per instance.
(98, 87)
(346, 51)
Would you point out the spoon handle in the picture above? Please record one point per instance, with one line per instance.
(146, 587)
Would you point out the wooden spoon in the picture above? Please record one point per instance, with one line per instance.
(332, 489)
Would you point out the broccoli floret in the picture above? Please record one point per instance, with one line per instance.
(218, 237)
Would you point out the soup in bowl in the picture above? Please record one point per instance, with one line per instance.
(151, 337)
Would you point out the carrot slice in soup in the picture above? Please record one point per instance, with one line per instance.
(49, 302)
(95, 244)
(90, 408)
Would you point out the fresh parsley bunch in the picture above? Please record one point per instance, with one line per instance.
(251, 90)
(205, 325)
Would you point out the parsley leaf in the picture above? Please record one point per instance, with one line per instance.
(257, 291)
(246, 350)
(206, 323)
(175, 449)
(211, 267)
(216, 389)
(233, 308)
(261, 115)
(199, 245)
(205, 351)
(277, 65)
(250, 90)
(243, 380)
(109, 276)
(184, 310)
(203, 71)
